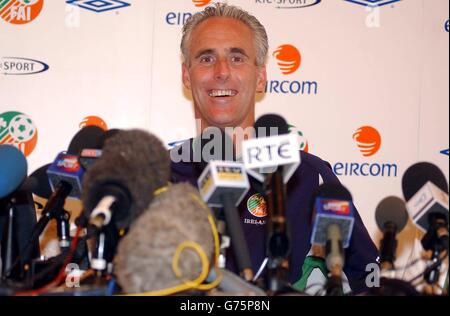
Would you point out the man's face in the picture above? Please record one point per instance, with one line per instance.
(222, 73)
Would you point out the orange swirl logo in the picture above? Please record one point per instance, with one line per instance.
(93, 121)
(368, 140)
(20, 11)
(289, 58)
(201, 3)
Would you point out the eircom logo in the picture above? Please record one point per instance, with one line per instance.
(20, 11)
(18, 129)
(201, 3)
(289, 59)
(93, 120)
(368, 140)
(180, 18)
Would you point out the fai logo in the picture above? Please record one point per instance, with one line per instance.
(18, 129)
(20, 11)
(201, 3)
(99, 6)
(373, 3)
(93, 121)
(368, 140)
(257, 206)
(304, 145)
(288, 58)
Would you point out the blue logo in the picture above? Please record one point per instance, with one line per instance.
(283, 4)
(373, 3)
(445, 152)
(177, 18)
(16, 66)
(99, 5)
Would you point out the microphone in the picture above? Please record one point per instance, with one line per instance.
(391, 217)
(88, 137)
(273, 147)
(224, 184)
(13, 169)
(89, 155)
(333, 226)
(42, 188)
(272, 158)
(17, 212)
(120, 185)
(64, 176)
(176, 223)
(426, 191)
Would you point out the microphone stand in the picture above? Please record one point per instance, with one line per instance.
(225, 241)
(434, 243)
(63, 229)
(278, 243)
(107, 239)
(335, 261)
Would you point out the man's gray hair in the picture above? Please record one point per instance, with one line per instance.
(230, 11)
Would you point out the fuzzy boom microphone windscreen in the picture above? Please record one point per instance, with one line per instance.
(144, 258)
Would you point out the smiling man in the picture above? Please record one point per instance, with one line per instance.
(225, 51)
(223, 71)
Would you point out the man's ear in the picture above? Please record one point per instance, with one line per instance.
(261, 80)
(185, 76)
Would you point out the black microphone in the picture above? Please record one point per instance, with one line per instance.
(426, 191)
(391, 217)
(223, 184)
(92, 152)
(64, 175)
(43, 188)
(273, 158)
(87, 137)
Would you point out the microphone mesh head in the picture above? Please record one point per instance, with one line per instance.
(144, 256)
(420, 173)
(43, 188)
(135, 160)
(88, 137)
(391, 209)
(145, 151)
(13, 169)
(271, 125)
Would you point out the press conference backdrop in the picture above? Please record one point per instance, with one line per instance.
(364, 83)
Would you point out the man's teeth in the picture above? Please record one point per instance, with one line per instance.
(222, 93)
